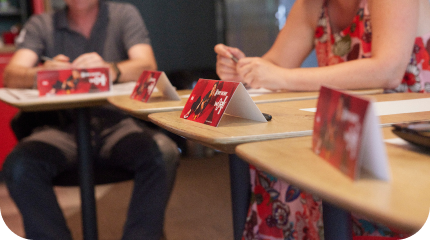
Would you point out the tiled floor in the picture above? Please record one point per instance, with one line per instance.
(199, 207)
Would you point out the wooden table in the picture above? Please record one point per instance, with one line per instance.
(160, 104)
(28, 100)
(288, 121)
(239, 174)
(403, 202)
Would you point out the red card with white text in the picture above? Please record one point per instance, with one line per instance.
(72, 81)
(148, 81)
(347, 135)
(211, 99)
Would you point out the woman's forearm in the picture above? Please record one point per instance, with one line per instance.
(358, 74)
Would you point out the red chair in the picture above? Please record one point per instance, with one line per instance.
(7, 139)
(374, 238)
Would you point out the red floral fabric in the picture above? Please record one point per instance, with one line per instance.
(354, 42)
(281, 211)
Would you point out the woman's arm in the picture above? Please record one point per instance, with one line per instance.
(292, 46)
(394, 26)
(295, 41)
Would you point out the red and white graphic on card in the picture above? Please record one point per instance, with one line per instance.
(347, 134)
(338, 129)
(208, 101)
(145, 85)
(72, 81)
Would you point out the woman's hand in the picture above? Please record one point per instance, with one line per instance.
(257, 72)
(225, 65)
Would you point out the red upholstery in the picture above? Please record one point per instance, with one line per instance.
(7, 138)
(374, 238)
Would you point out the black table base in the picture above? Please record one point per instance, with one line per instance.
(86, 175)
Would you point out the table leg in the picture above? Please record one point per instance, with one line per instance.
(240, 193)
(86, 175)
(337, 223)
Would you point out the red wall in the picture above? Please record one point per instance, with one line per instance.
(7, 138)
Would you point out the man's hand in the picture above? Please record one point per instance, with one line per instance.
(59, 61)
(89, 60)
(93, 60)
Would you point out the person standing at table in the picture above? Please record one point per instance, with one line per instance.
(359, 44)
(86, 34)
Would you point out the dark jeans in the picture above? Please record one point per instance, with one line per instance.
(34, 163)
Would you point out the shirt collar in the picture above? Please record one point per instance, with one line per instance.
(61, 21)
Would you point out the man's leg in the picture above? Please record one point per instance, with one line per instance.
(29, 170)
(154, 159)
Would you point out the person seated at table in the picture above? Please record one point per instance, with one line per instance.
(87, 34)
(359, 44)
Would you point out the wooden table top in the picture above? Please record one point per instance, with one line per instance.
(28, 99)
(403, 202)
(288, 121)
(159, 104)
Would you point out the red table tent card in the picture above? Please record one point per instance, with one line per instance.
(347, 135)
(211, 99)
(71, 81)
(148, 81)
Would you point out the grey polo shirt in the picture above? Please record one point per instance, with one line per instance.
(118, 27)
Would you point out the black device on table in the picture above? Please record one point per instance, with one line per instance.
(417, 133)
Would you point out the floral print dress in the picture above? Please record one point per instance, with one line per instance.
(354, 42)
(280, 211)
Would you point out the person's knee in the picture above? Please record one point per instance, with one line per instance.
(14, 168)
(27, 162)
(17, 166)
(169, 151)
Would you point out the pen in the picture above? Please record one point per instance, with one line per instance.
(12, 94)
(45, 58)
(267, 116)
(236, 60)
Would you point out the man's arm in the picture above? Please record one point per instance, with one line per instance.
(141, 57)
(21, 70)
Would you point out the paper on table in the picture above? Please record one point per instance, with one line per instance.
(253, 92)
(405, 145)
(32, 95)
(396, 107)
(126, 88)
